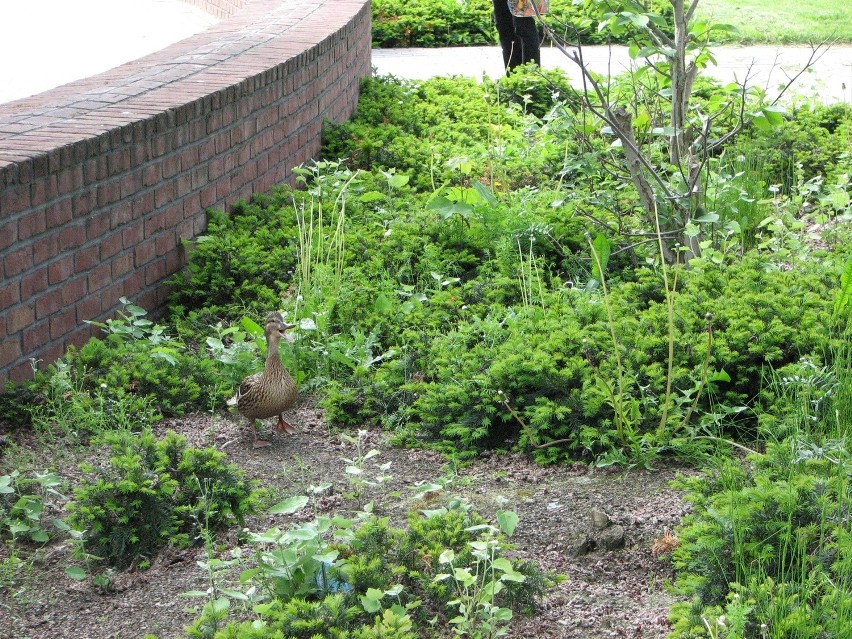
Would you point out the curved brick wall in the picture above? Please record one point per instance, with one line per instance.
(102, 179)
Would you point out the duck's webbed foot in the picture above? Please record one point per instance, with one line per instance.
(284, 427)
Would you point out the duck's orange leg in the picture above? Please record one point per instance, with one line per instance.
(258, 442)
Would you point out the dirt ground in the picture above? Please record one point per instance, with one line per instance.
(606, 593)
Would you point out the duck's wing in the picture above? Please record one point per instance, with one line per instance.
(245, 388)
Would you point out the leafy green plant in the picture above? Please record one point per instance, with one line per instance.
(152, 493)
(23, 502)
(478, 585)
(355, 468)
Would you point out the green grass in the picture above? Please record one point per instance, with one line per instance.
(770, 21)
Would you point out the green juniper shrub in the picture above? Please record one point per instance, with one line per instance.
(248, 254)
(769, 544)
(155, 492)
(810, 142)
(536, 90)
(16, 402)
(438, 23)
(177, 385)
(300, 619)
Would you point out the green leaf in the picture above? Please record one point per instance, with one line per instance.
(382, 305)
(708, 218)
(289, 506)
(370, 605)
(371, 196)
(251, 327)
(40, 536)
(501, 563)
(485, 193)
(397, 181)
(508, 521)
(75, 572)
(843, 298)
(719, 376)
(601, 248)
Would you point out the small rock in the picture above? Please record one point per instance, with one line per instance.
(600, 519)
(584, 547)
(612, 538)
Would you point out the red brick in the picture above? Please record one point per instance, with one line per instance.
(71, 237)
(100, 277)
(165, 194)
(20, 373)
(208, 196)
(34, 283)
(144, 252)
(173, 216)
(83, 203)
(184, 184)
(110, 245)
(31, 223)
(152, 174)
(71, 179)
(133, 284)
(174, 260)
(59, 212)
(61, 269)
(18, 261)
(170, 166)
(154, 272)
(42, 190)
(48, 303)
(165, 243)
(111, 295)
(132, 234)
(118, 161)
(35, 336)
(14, 199)
(143, 204)
(10, 294)
(89, 309)
(121, 265)
(109, 192)
(155, 223)
(74, 290)
(63, 323)
(8, 234)
(19, 318)
(122, 213)
(50, 353)
(86, 259)
(97, 225)
(80, 336)
(46, 248)
(10, 350)
(131, 184)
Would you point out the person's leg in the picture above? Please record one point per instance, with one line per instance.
(528, 40)
(505, 23)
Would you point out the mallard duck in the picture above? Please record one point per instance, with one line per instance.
(271, 392)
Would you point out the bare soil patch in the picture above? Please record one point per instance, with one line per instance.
(607, 593)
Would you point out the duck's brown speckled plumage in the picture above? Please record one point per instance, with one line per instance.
(271, 392)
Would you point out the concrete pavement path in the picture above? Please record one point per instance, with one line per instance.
(830, 80)
(46, 43)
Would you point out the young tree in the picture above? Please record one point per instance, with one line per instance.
(669, 52)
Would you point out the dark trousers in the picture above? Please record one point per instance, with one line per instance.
(518, 37)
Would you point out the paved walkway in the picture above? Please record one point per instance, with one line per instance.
(46, 43)
(830, 80)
